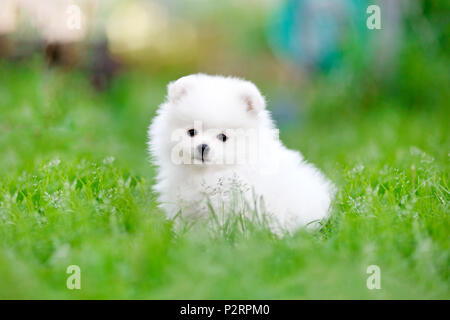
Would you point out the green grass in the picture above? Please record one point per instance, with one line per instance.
(75, 189)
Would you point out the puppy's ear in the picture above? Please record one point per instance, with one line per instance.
(178, 88)
(253, 100)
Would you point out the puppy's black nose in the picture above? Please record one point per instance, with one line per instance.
(203, 149)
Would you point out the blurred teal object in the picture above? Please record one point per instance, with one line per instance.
(312, 32)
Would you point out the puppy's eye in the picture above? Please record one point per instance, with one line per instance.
(191, 132)
(222, 137)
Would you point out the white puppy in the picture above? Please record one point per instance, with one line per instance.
(217, 152)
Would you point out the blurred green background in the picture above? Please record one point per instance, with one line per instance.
(369, 107)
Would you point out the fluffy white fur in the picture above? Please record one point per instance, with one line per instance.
(262, 176)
